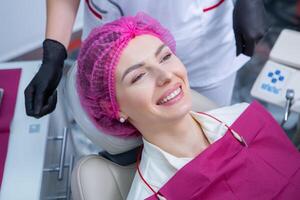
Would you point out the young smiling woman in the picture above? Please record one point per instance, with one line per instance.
(131, 83)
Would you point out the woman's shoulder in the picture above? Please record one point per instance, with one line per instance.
(156, 167)
(138, 190)
(238, 107)
(229, 114)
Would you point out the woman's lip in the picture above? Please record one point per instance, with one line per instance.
(168, 92)
(174, 100)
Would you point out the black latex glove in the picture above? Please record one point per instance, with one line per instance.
(41, 94)
(249, 24)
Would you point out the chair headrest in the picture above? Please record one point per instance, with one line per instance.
(112, 144)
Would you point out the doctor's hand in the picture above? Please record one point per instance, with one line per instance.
(41, 94)
(249, 24)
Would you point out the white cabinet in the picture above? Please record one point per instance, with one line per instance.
(35, 149)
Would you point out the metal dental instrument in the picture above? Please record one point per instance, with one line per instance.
(289, 96)
(1, 94)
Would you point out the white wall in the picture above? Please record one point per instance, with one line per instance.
(22, 26)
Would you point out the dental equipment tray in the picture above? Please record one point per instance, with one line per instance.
(281, 72)
(286, 50)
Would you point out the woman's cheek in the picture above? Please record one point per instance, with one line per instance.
(139, 99)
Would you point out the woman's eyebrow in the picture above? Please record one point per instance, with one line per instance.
(159, 49)
(136, 66)
(133, 67)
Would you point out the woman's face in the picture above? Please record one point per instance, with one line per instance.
(151, 83)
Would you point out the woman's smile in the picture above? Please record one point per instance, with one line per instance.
(171, 96)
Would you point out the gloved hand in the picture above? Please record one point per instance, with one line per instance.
(249, 24)
(41, 94)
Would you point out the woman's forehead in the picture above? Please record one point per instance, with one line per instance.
(140, 49)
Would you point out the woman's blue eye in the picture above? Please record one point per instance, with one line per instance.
(166, 57)
(137, 77)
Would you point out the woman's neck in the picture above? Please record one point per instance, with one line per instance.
(183, 138)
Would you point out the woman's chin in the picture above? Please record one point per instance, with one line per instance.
(176, 112)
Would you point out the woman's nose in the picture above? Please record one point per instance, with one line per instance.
(163, 76)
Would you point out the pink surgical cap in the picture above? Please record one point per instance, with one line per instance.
(97, 61)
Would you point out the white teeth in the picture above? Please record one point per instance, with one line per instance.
(170, 96)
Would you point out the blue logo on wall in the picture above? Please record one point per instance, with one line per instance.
(275, 78)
